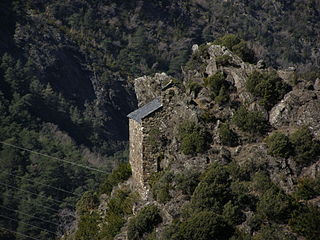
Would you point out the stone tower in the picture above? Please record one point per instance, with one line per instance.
(141, 121)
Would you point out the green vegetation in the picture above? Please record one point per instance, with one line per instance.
(187, 181)
(197, 59)
(307, 188)
(194, 139)
(204, 225)
(273, 232)
(161, 187)
(252, 122)
(223, 60)
(268, 87)
(305, 221)
(274, 205)
(194, 87)
(118, 208)
(88, 202)
(144, 222)
(118, 175)
(300, 145)
(227, 136)
(238, 46)
(279, 145)
(88, 227)
(218, 87)
(305, 147)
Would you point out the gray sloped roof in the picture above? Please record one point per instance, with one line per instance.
(144, 111)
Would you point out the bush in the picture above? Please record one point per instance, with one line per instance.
(194, 139)
(118, 207)
(202, 226)
(118, 175)
(88, 201)
(307, 188)
(218, 87)
(250, 121)
(88, 227)
(144, 222)
(279, 145)
(305, 147)
(261, 182)
(273, 232)
(232, 213)
(275, 205)
(306, 221)
(227, 136)
(161, 187)
(268, 87)
(238, 46)
(187, 181)
(223, 60)
(196, 61)
(213, 191)
(194, 87)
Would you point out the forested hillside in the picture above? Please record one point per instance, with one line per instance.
(66, 73)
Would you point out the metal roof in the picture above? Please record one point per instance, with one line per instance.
(144, 111)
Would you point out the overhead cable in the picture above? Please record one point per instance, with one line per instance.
(55, 158)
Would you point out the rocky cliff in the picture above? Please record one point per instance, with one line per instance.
(192, 100)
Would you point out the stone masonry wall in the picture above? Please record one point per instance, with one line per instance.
(136, 154)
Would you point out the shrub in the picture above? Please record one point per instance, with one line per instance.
(305, 147)
(307, 188)
(279, 145)
(232, 213)
(202, 226)
(187, 181)
(207, 117)
(194, 87)
(194, 139)
(144, 222)
(88, 227)
(228, 40)
(306, 221)
(275, 205)
(268, 87)
(250, 121)
(213, 191)
(261, 182)
(161, 187)
(273, 232)
(118, 175)
(218, 86)
(227, 136)
(118, 207)
(238, 46)
(88, 201)
(223, 60)
(196, 61)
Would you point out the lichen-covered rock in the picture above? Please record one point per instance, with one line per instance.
(148, 88)
(299, 107)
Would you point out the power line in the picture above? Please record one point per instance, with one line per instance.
(27, 224)
(55, 158)
(48, 208)
(13, 210)
(8, 185)
(6, 229)
(62, 190)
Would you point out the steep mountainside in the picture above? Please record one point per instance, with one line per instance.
(232, 154)
(66, 85)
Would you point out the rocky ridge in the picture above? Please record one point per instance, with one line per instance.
(299, 107)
